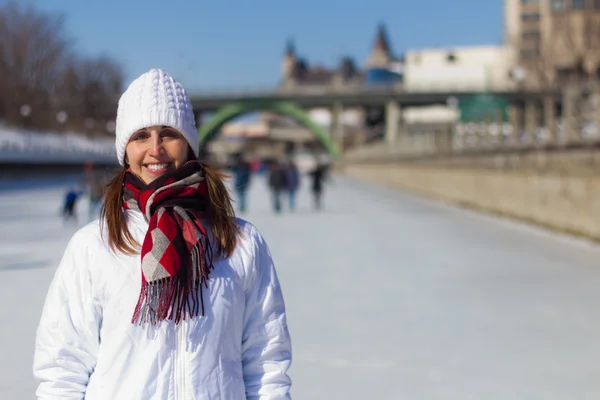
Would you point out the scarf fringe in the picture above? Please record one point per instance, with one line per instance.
(170, 298)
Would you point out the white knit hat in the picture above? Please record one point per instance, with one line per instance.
(155, 98)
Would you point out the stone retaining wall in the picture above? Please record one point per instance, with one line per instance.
(561, 201)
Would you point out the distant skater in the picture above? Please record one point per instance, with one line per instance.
(70, 203)
(243, 174)
(318, 175)
(293, 182)
(278, 184)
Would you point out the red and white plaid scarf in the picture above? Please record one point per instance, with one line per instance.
(176, 254)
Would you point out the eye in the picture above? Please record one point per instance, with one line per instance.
(140, 135)
(170, 133)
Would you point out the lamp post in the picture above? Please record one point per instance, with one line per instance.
(519, 74)
(110, 126)
(25, 112)
(62, 117)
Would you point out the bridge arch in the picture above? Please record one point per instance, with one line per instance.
(210, 129)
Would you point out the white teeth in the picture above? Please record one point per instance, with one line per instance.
(156, 167)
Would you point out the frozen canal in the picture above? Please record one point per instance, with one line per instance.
(389, 297)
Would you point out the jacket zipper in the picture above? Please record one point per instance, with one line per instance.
(180, 388)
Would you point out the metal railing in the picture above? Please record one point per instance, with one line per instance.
(310, 90)
(353, 88)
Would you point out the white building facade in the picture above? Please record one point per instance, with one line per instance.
(460, 69)
(472, 68)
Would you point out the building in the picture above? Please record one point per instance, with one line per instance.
(480, 69)
(380, 67)
(297, 71)
(553, 40)
(469, 68)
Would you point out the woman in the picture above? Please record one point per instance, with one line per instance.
(168, 296)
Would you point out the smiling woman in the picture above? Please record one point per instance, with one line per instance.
(153, 151)
(168, 273)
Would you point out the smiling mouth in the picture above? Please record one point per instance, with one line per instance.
(155, 168)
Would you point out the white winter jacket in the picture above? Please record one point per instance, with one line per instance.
(87, 347)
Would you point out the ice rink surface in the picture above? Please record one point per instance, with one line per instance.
(389, 296)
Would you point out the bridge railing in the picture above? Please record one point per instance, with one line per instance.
(310, 90)
(345, 89)
(228, 91)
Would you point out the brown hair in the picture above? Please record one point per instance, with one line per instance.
(220, 214)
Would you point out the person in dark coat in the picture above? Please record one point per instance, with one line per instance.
(318, 176)
(70, 203)
(277, 183)
(242, 172)
(293, 182)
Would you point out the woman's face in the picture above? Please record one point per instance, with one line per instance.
(153, 151)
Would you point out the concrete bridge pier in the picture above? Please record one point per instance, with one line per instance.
(393, 121)
(337, 125)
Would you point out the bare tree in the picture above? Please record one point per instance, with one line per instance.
(39, 68)
(90, 89)
(32, 55)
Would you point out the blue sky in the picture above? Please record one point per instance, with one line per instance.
(226, 43)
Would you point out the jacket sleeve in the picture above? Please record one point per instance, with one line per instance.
(68, 333)
(266, 345)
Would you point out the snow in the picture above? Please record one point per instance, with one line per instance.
(389, 296)
(19, 146)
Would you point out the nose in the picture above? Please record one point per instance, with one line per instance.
(156, 146)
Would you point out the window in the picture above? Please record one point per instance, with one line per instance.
(568, 74)
(578, 4)
(558, 5)
(530, 53)
(530, 17)
(417, 58)
(531, 35)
